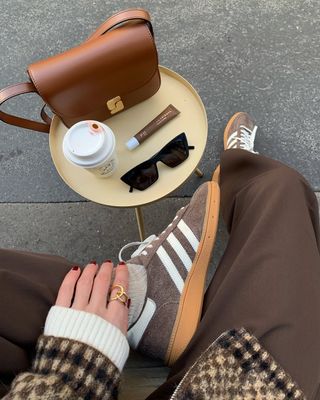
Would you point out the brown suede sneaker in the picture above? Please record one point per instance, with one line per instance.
(176, 262)
(240, 133)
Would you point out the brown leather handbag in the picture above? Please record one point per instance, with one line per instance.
(116, 68)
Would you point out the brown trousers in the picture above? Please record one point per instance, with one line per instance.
(267, 281)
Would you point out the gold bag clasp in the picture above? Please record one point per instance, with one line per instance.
(115, 105)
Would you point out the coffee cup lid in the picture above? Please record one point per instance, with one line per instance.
(88, 147)
(83, 143)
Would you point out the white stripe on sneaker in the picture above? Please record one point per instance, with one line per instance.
(181, 253)
(184, 228)
(171, 268)
(232, 143)
(135, 333)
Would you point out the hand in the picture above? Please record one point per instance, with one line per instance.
(90, 290)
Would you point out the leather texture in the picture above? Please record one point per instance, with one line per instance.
(15, 90)
(118, 60)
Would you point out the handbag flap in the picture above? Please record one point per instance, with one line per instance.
(86, 77)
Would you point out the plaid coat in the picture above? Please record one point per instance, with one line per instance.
(235, 367)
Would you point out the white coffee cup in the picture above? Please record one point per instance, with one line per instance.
(91, 145)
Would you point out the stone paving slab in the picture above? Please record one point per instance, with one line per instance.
(260, 57)
(141, 377)
(83, 231)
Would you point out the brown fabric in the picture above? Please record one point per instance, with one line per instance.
(268, 280)
(28, 287)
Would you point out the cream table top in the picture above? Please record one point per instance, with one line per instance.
(112, 191)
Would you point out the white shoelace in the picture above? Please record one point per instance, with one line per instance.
(244, 141)
(140, 249)
(146, 243)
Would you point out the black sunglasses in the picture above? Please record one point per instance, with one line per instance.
(145, 174)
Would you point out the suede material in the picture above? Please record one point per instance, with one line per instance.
(192, 214)
(174, 257)
(146, 259)
(156, 338)
(241, 119)
(269, 277)
(185, 243)
(197, 209)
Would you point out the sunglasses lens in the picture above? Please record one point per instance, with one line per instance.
(145, 174)
(174, 153)
(142, 176)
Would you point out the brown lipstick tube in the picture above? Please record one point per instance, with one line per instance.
(160, 120)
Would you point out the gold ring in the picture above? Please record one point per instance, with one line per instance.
(126, 300)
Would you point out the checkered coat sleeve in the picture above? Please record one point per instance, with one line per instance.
(235, 366)
(66, 369)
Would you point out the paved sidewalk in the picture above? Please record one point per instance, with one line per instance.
(84, 231)
(260, 57)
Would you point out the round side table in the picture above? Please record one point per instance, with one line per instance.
(112, 191)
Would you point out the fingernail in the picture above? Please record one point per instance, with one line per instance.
(93, 262)
(122, 263)
(75, 268)
(129, 303)
(107, 261)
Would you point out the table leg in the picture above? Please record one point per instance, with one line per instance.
(140, 222)
(198, 172)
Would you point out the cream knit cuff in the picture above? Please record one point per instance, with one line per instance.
(90, 329)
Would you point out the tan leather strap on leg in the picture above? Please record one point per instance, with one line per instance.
(15, 90)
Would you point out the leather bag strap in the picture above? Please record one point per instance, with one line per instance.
(45, 117)
(16, 90)
(28, 87)
(120, 18)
